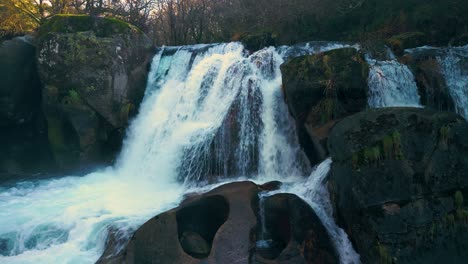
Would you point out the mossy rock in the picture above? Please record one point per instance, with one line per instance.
(94, 71)
(102, 26)
(395, 199)
(407, 40)
(321, 89)
(307, 79)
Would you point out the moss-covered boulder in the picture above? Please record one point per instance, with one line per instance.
(321, 89)
(395, 179)
(23, 135)
(94, 73)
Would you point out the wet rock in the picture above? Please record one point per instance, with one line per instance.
(271, 186)
(23, 133)
(297, 235)
(394, 179)
(321, 89)
(221, 226)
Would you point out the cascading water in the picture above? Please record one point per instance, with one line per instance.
(453, 62)
(208, 109)
(391, 84)
(314, 191)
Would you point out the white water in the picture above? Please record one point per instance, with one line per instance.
(453, 62)
(314, 191)
(190, 93)
(391, 84)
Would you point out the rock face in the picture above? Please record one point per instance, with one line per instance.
(296, 233)
(398, 180)
(94, 73)
(321, 89)
(23, 135)
(221, 226)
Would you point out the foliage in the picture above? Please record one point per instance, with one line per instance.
(74, 97)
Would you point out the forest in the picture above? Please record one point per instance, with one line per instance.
(181, 22)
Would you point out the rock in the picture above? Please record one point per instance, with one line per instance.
(221, 226)
(460, 40)
(194, 244)
(296, 232)
(94, 72)
(407, 40)
(256, 41)
(20, 88)
(321, 89)
(394, 179)
(271, 186)
(23, 134)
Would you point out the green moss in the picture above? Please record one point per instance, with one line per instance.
(376, 153)
(387, 146)
(368, 155)
(462, 215)
(74, 97)
(384, 255)
(390, 145)
(396, 137)
(102, 26)
(90, 89)
(444, 132)
(450, 220)
(458, 197)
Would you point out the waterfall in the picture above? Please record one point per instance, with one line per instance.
(453, 62)
(391, 84)
(209, 110)
(314, 191)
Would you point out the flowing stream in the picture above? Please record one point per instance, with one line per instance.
(183, 135)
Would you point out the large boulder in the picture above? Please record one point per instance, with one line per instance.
(223, 226)
(397, 183)
(23, 134)
(321, 89)
(94, 72)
